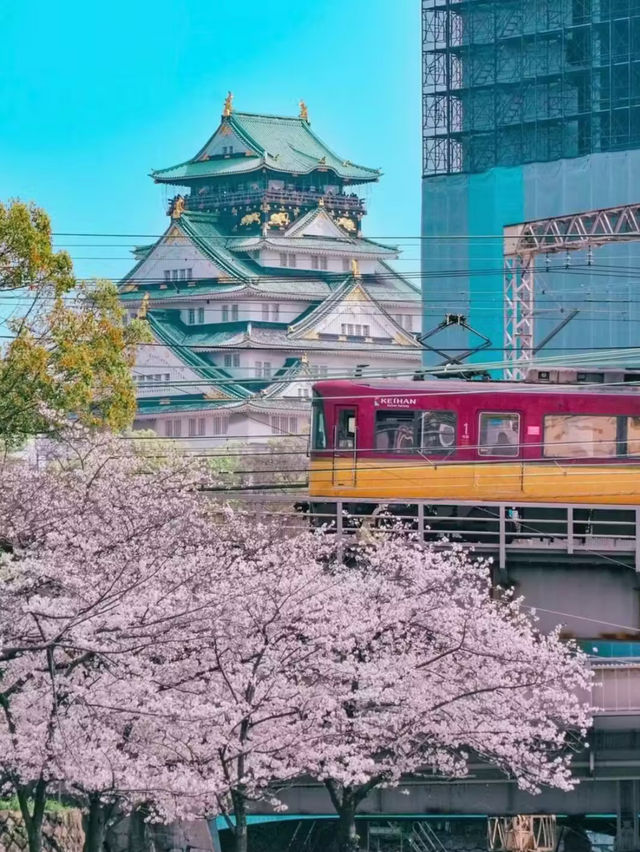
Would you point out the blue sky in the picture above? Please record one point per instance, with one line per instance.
(94, 95)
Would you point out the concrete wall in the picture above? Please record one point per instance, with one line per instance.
(588, 602)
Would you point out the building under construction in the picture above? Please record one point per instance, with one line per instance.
(531, 109)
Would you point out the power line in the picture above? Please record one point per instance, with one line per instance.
(420, 237)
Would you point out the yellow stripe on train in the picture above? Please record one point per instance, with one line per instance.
(520, 482)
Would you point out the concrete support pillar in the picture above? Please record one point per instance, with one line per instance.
(628, 802)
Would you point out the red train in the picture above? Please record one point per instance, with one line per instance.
(562, 436)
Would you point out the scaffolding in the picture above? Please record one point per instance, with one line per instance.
(507, 82)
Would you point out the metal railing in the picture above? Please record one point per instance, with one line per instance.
(502, 530)
(333, 201)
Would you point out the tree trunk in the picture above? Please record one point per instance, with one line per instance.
(348, 840)
(33, 820)
(139, 834)
(240, 834)
(346, 800)
(96, 826)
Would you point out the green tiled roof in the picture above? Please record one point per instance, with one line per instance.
(166, 326)
(289, 371)
(354, 246)
(280, 143)
(201, 228)
(180, 403)
(156, 290)
(209, 334)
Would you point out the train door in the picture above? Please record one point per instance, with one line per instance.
(345, 439)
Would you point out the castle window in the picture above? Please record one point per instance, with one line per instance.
(225, 313)
(183, 273)
(366, 331)
(174, 274)
(265, 311)
(227, 359)
(173, 428)
(167, 275)
(234, 313)
(200, 315)
(275, 313)
(323, 261)
(266, 370)
(258, 369)
(191, 316)
(315, 261)
(346, 265)
(292, 261)
(283, 425)
(220, 424)
(189, 272)
(202, 423)
(192, 427)
(283, 259)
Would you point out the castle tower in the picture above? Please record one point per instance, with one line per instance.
(262, 282)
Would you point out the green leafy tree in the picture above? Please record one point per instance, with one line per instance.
(67, 350)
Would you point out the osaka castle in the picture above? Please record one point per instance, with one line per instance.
(261, 283)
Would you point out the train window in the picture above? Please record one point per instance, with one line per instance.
(395, 431)
(569, 436)
(438, 432)
(633, 436)
(499, 434)
(319, 428)
(346, 429)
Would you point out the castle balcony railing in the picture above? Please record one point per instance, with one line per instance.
(288, 197)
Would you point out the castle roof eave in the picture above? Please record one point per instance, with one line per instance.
(276, 143)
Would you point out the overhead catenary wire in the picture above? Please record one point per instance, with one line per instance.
(417, 237)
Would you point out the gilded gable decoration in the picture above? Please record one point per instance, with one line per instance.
(228, 105)
(176, 208)
(144, 307)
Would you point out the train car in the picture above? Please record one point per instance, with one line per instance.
(536, 441)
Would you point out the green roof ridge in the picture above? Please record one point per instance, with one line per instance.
(268, 155)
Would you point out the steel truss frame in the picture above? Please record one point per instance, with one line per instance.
(524, 242)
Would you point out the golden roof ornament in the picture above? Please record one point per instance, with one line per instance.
(304, 359)
(227, 109)
(304, 112)
(177, 207)
(144, 306)
(355, 268)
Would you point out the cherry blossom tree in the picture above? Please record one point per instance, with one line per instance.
(153, 649)
(156, 652)
(244, 688)
(428, 670)
(98, 570)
